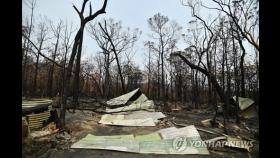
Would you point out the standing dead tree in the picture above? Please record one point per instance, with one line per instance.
(244, 18)
(56, 32)
(202, 44)
(165, 33)
(77, 50)
(66, 45)
(120, 41)
(244, 15)
(105, 46)
(98, 77)
(208, 41)
(42, 37)
(212, 78)
(149, 45)
(26, 46)
(157, 24)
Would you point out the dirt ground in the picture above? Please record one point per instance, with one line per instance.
(82, 123)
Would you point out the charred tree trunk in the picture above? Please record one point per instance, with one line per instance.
(105, 31)
(171, 89)
(215, 83)
(51, 71)
(242, 71)
(34, 88)
(76, 86)
(223, 71)
(50, 81)
(162, 77)
(68, 77)
(120, 70)
(158, 81)
(24, 74)
(228, 77)
(106, 85)
(78, 39)
(149, 73)
(196, 93)
(236, 76)
(209, 65)
(193, 86)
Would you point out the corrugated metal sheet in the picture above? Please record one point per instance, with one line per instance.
(119, 120)
(147, 105)
(244, 103)
(123, 99)
(150, 143)
(35, 105)
(36, 120)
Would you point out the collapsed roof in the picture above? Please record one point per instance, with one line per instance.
(131, 109)
(124, 99)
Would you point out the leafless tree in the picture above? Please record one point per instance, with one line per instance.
(243, 14)
(149, 45)
(67, 42)
(120, 41)
(56, 30)
(77, 50)
(164, 33)
(41, 38)
(208, 41)
(26, 44)
(105, 46)
(244, 18)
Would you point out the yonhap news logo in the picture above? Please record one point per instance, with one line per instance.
(181, 143)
